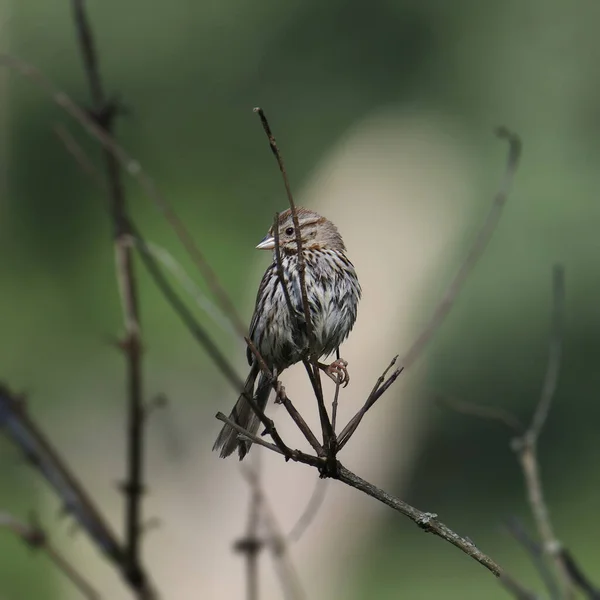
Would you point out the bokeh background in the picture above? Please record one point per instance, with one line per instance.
(384, 111)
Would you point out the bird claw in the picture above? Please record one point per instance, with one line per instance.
(337, 371)
(279, 393)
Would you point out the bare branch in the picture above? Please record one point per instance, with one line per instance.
(426, 521)
(255, 439)
(37, 449)
(315, 376)
(300, 422)
(288, 453)
(525, 446)
(283, 398)
(381, 385)
(103, 114)
(35, 537)
(300, 255)
(336, 395)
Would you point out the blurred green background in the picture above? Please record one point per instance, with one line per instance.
(191, 72)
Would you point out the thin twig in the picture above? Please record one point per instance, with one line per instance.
(334, 405)
(381, 385)
(447, 302)
(336, 395)
(316, 376)
(283, 398)
(133, 168)
(427, 521)
(295, 455)
(255, 439)
(103, 114)
(298, 234)
(300, 422)
(525, 446)
(35, 537)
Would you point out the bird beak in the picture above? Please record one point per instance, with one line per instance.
(268, 243)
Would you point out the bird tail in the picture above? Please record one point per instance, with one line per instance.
(243, 415)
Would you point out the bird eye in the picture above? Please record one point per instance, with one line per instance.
(289, 231)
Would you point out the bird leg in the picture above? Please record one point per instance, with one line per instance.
(337, 371)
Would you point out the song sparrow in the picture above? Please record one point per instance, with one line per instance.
(333, 293)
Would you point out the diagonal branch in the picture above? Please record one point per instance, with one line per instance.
(425, 520)
(24, 433)
(283, 398)
(380, 387)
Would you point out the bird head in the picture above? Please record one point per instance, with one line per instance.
(316, 233)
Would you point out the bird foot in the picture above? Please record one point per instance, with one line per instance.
(280, 394)
(337, 371)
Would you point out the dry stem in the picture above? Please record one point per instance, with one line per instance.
(103, 113)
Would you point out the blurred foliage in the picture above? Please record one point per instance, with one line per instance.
(191, 71)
